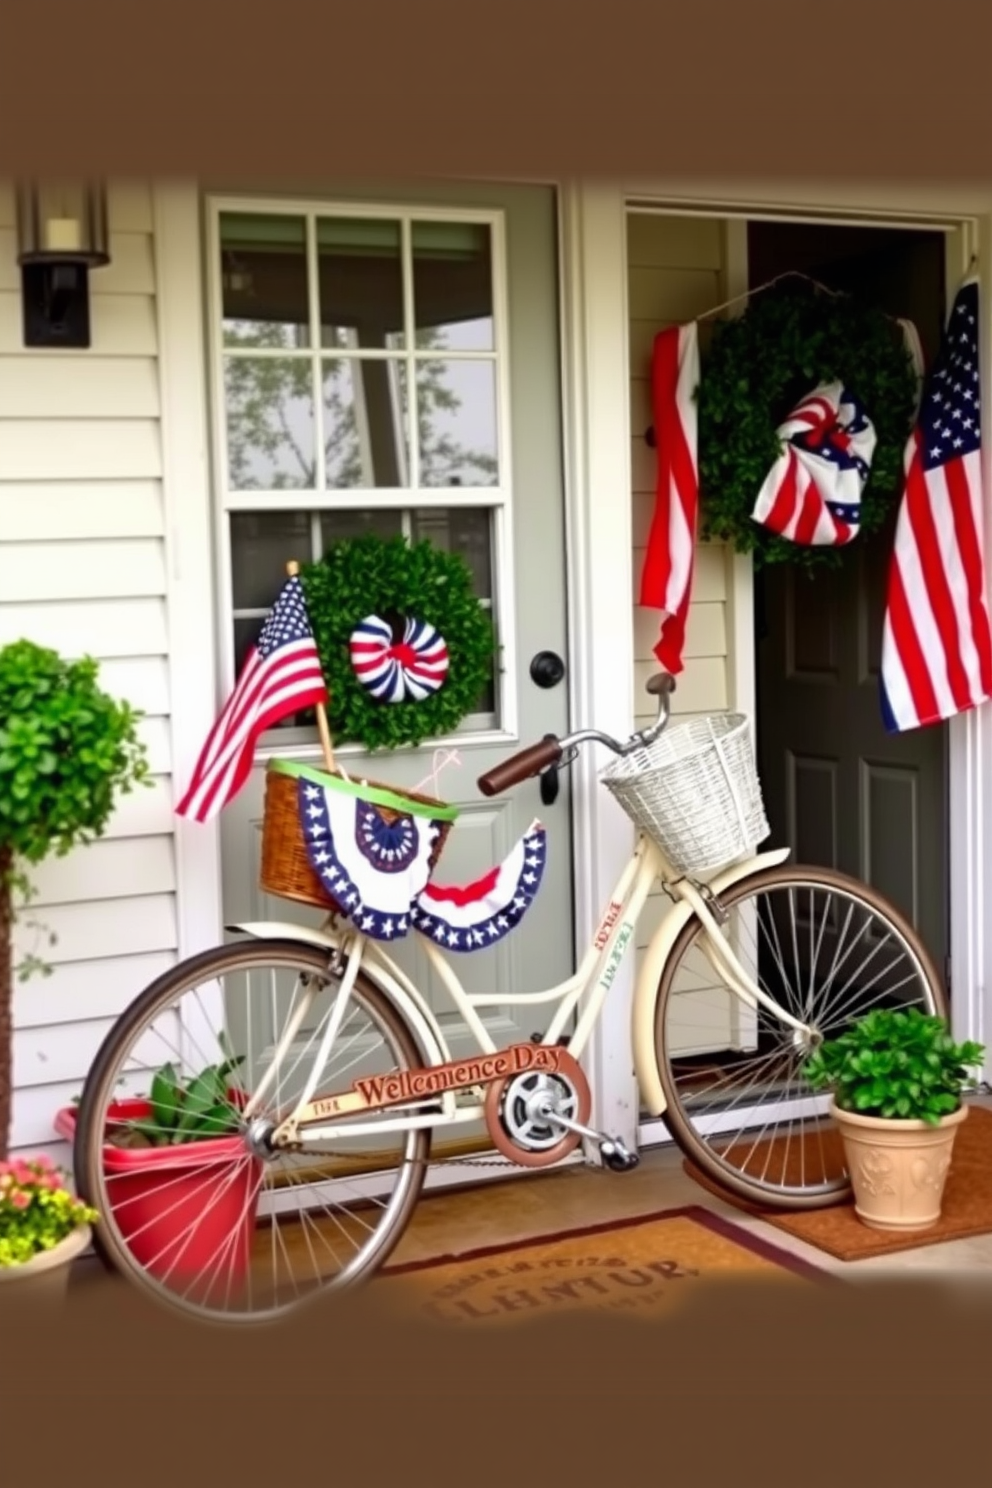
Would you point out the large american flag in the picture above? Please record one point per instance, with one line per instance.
(666, 579)
(936, 639)
(281, 675)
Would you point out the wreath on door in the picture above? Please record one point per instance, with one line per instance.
(759, 365)
(405, 646)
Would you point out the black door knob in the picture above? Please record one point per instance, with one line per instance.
(547, 669)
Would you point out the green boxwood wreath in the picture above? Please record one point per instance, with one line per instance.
(390, 577)
(756, 369)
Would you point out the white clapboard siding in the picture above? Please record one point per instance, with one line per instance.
(145, 811)
(92, 930)
(65, 1052)
(114, 869)
(77, 449)
(73, 994)
(99, 627)
(142, 681)
(126, 569)
(675, 272)
(83, 570)
(32, 511)
(51, 387)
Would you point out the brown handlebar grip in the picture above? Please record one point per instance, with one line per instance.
(660, 684)
(521, 766)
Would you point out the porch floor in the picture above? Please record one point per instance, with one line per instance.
(508, 1210)
(518, 1208)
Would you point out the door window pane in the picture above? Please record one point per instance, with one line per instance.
(467, 532)
(365, 424)
(360, 269)
(339, 526)
(270, 424)
(263, 271)
(262, 543)
(456, 423)
(452, 286)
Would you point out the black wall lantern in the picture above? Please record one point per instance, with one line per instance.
(62, 233)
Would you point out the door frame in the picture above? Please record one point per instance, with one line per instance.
(601, 355)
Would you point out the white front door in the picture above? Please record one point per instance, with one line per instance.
(453, 292)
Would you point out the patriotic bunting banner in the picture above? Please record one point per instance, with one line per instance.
(666, 579)
(281, 676)
(812, 494)
(377, 866)
(413, 668)
(936, 639)
(470, 918)
(373, 862)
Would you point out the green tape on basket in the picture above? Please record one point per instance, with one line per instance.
(376, 794)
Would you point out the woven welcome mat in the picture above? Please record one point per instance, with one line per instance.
(967, 1207)
(642, 1266)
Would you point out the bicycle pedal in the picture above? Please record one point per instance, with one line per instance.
(617, 1157)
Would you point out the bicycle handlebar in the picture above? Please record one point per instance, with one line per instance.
(538, 757)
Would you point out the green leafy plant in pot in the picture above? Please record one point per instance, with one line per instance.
(181, 1189)
(897, 1080)
(67, 751)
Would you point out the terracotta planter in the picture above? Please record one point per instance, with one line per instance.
(45, 1278)
(179, 1208)
(898, 1169)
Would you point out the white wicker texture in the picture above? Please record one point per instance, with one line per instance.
(695, 791)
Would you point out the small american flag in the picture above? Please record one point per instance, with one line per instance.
(281, 675)
(936, 640)
(666, 579)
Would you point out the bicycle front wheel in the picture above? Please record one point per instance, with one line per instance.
(828, 949)
(207, 1219)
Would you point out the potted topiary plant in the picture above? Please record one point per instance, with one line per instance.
(897, 1079)
(66, 750)
(42, 1227)
(160, 1150)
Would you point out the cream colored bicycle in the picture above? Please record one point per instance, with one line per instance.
(341, 1072)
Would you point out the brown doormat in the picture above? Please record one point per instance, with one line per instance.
(967, 1208)
(642, 1265)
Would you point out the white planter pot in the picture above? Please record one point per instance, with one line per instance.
(898, 1169)
(45, 1278)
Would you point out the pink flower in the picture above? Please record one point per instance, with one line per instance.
(53, 1181)
(20, 1200)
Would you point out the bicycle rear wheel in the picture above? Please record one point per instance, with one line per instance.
(217, 1226)
(827, 949)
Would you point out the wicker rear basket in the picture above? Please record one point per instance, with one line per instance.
(286, 871)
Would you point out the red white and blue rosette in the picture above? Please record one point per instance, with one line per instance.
(812, 494)
(399, 671)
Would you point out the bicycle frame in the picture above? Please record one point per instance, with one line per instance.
(591, 981)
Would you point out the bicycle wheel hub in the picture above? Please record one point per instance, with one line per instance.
(806, 1040)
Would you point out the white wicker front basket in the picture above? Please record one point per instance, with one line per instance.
(695, 791)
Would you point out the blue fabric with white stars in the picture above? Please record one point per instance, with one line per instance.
(949, 422)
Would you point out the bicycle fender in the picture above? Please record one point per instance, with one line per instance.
(410, 1004)
(645, 1002)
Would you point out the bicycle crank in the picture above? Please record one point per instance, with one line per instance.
(538, 1117)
